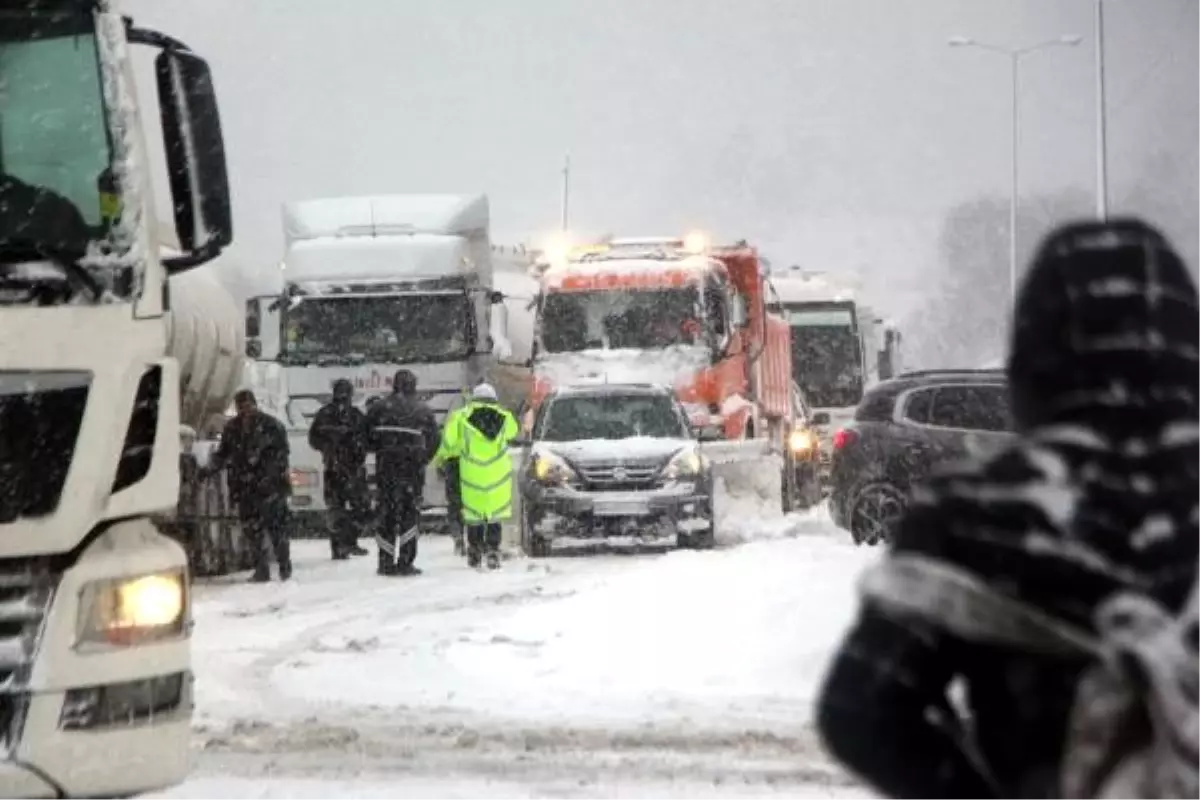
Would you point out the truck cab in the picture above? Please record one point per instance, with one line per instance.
(675, 311)
(95, 617)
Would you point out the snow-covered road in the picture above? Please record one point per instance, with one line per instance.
(677, 674)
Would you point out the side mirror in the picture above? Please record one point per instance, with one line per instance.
(709, 433)
(195, 150)
(737, 311)
(253, 318)
(821, 418)
(254, 348)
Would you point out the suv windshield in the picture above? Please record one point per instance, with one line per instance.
(611, 416)
(54, 134)
(393, 328)
(613, 320)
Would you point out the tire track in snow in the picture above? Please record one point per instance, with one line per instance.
(308, 737)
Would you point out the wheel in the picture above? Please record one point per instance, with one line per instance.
(705, 539)
(876, 510)
(789, 492)
(533, 545)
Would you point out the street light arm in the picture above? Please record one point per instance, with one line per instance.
(1061, 41)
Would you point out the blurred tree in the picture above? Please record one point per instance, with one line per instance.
(964, 319)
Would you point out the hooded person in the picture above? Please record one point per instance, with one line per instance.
(339, 433)
(477, 437)
(1096, 498)
(403, 433)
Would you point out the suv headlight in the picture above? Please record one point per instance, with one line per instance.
(687, 463)
(550, 470)
(134, 610)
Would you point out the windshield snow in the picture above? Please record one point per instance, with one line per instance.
(570, 419)
(613, 320)
(398, 328)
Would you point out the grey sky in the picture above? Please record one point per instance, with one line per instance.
(835, 133)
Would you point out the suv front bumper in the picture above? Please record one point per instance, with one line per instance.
(681, 507)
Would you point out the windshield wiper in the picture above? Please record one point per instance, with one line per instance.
(16, 254)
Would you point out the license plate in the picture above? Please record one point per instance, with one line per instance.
(632, 507)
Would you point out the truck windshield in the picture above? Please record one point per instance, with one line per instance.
(390, 328)
(826, 355)
(570, 419)
(612, 320)
(54, 134)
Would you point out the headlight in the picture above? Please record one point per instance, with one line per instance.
(686, 464)
(550, 469)
(802, 441)
(302, 478)
(135, 610)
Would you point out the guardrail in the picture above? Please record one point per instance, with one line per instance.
(206, 523)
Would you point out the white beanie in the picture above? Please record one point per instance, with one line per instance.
(484, 391)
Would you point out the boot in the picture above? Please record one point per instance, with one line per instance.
(493, 560)
(260, 577)
(359, 550)
(285, 571)
(338, 552)
(474, 556)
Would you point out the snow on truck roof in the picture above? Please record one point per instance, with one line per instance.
(798, 287)
(371, 216)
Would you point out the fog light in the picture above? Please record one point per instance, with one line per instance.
(127, 703)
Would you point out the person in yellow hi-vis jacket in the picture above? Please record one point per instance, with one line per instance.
(478, 436)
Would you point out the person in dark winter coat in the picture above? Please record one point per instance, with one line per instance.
(254, 453)
(403, 434)
(339, 434)
(1099, 495)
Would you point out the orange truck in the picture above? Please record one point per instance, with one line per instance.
(670, 311)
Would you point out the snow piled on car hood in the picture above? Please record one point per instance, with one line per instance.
(667, 366)
(634, 448)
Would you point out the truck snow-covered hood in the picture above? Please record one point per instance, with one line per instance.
(669, 366)
(636, 449)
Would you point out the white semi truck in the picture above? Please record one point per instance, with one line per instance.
(370, 285)
(840, 346)
(95, 617)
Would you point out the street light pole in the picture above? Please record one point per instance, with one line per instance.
(1016, 175)
(566, 192)
(1101, 119)
(1014, 56)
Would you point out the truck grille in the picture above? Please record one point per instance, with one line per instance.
(26, 590)
(40, 416)
(619, 476)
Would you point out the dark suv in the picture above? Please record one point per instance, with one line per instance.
(902, 430)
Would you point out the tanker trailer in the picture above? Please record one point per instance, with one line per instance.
(207, 337)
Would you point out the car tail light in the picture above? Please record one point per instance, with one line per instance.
(843, 437)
